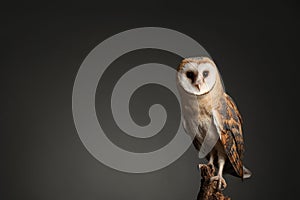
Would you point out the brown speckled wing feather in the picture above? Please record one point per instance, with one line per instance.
(229, 124)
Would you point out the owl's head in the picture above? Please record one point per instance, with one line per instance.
(197, 75)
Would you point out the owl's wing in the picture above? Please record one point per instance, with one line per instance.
(229, 125)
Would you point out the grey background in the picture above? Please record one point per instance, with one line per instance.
(254, 44)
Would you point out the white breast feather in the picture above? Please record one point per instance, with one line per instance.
(192, 120)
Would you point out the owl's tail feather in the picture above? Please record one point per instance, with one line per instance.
(228, 169)
(247, 173)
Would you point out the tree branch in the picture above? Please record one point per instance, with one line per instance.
(208, 189)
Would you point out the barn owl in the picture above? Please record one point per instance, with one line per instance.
(211, 117)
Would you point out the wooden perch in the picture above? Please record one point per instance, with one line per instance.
(208, 189)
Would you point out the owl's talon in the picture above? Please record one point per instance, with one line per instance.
(221, 183)
(199, 166)
(211, 166)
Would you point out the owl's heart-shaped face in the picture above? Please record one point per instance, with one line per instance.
(197, 78)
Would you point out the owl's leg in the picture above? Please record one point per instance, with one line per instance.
(210, 162)
(211, 159)
(221, 183)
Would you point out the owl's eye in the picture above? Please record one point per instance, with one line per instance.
(205, 73)
(190, 75)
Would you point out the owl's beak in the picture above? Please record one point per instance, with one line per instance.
(197, 86)
(198, 83)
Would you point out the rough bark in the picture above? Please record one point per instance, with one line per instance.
(208, 189)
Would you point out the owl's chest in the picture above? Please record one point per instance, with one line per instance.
(196, 117)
